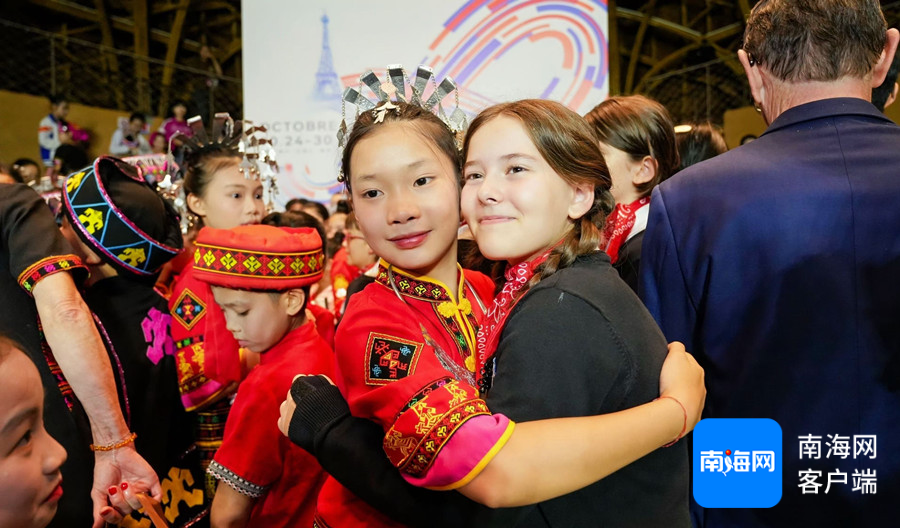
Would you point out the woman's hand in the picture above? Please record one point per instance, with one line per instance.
(118, 476)
(682, 379)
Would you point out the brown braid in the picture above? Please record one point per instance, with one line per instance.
(583, 239)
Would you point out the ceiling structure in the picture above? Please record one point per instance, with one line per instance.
(684, 53)
(156, 44)
(681, 52)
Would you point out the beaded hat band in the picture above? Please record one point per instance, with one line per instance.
(259, 257)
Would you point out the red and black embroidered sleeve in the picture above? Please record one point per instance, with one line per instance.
(390, 375)
(47, 266)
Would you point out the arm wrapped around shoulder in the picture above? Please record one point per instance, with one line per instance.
(320, 406)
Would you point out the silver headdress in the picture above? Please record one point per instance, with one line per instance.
(398, 87)
(251, 142)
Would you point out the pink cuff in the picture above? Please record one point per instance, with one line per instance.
(466, 453)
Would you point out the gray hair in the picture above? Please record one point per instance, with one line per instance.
(816, 40)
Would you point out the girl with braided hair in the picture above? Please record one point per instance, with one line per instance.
(565, 338)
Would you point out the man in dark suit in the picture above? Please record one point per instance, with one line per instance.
(778, 263)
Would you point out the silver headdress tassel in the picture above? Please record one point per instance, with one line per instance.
(251, 142)
(398, 87)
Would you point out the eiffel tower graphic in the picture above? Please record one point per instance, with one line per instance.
(328, 86)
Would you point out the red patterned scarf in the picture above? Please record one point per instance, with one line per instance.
(619, 225)
(495, 319)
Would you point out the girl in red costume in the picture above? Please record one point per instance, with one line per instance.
(222, 197)
(407, 350)
(440, 434)
(402, 337)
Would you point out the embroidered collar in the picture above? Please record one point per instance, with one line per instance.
(420, 287)
(456, 318)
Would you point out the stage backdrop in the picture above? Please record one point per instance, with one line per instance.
(299, 56)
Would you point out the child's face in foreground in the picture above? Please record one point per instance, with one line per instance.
(405, 198)
(230, 200)
(30, 480)
(514, 202)
(257, 320)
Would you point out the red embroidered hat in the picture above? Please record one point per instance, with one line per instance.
(259, 257)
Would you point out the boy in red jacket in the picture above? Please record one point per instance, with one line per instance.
(260, 277)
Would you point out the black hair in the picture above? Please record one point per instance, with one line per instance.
(201, 166)
(321, 209)
(343, 206)
(178, 102)
(427, 124)
(16, 169)
(295, 201)
(307, 204)
(296, 219)
(700, 143)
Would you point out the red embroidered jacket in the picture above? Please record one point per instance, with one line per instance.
(391, 373)
(197, 321)
(255, 458)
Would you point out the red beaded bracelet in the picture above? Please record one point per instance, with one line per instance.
(684, 427)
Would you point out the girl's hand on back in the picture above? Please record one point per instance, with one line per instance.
(682, 378)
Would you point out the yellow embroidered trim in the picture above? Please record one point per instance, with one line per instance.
(455, 308)
(48, 260)
(479, 467)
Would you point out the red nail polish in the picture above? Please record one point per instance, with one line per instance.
(124, 486)
(112, 490)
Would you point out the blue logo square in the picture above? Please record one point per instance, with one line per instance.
(737, 463)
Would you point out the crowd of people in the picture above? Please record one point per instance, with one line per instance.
(63, 145)
(490, 329)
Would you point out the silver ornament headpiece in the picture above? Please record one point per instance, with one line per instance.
(398, 87)
(251, 142)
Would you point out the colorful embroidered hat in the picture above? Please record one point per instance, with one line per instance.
(121, 218)
(259, 257)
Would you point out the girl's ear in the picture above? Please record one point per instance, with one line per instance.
(196, 204)
(582, 200)
(646, 171)
(293, 301)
